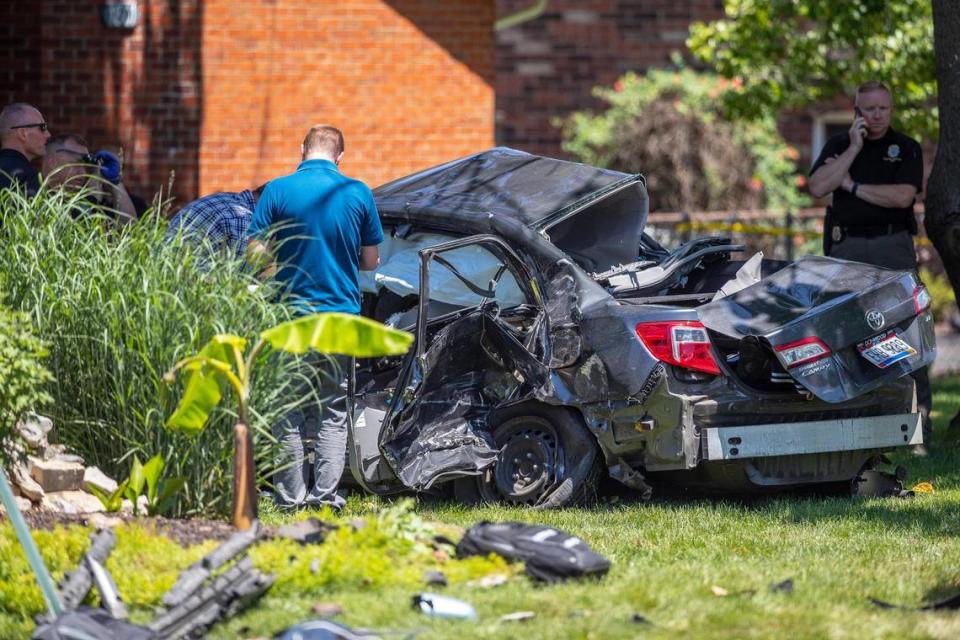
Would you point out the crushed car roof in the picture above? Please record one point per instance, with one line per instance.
(501, 182)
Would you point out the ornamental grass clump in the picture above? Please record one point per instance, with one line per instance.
(116, 306)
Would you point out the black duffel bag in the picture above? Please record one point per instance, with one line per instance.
(549, 554)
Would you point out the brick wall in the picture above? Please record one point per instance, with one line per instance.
(547, 67)
(223, 91)
(410, 83)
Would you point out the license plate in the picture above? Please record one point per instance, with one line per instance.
(885, 349)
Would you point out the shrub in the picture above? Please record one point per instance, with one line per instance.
(22, 375)
(943, 301)
(670, 126)
(118, 307)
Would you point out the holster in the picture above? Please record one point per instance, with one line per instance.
(827, 231)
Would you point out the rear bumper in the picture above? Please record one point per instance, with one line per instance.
(822, 436)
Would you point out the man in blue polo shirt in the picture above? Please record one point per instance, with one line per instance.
(321, 228)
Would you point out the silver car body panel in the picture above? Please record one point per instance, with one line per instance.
(798, 438)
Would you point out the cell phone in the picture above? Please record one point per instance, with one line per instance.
(857, 112)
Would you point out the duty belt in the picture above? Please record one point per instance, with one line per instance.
(841, 231)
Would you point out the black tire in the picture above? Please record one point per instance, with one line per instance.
(547, 459)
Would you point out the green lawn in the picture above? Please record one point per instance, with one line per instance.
(667, 557)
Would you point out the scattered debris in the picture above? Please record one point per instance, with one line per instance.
(87, 622)
(203, 594)
(518, 616)
(720, 592)
(309, 531)
(948, 603)
(872, 483)
(328, 609)
(782, 587)
(76, 584)
(922, 487)
(490, 581)
(443, 607)
(325, 630)
(549, 555)
(435, 578)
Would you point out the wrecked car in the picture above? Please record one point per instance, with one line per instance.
(556, 341)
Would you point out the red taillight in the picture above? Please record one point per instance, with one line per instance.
(921, 299)
(803, 351)
(681, 343)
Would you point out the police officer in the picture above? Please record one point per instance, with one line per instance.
(23, 136)
(874, 174)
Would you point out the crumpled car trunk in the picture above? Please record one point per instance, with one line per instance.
(847, 305)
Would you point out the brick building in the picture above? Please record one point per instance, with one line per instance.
(547, 66)
(222, 91)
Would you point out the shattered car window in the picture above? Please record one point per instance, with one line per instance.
(399, 274)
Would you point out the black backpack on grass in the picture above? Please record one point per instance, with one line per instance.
(549, 554)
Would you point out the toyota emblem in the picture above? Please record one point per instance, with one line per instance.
(875, 319)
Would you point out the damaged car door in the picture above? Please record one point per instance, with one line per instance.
(430, 423)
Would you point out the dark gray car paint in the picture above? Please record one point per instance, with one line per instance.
(588, 357)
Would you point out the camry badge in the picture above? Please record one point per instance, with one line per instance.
(875, 319)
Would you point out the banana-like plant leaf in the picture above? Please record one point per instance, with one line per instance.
(152, 471)
(205, 384)
(339, 333)
(134, 484)
(112, 502)
(168, 491)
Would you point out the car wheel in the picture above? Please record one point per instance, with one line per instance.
(547, 459)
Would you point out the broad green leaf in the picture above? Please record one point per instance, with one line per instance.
(152, 471)
(136, 478)
(112, 502)
(338, 333)
(205, 384)
(168, 490)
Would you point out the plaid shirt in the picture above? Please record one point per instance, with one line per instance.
(221, 219)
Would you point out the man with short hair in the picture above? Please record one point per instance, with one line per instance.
(323, 228)
(219, 219)
(68, 164)
(874, 174)
(23, 135)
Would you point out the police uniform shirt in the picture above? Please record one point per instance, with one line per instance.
(16, 169)
(892, 159)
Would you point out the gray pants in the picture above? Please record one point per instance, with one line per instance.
(893, 251)
(321, 426)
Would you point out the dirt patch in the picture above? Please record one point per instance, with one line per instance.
(185, 532)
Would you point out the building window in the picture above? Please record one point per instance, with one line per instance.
(825, 126)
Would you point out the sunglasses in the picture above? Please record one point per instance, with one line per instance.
(85, 158)
(39, 125)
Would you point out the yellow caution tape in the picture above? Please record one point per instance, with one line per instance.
(760, 230)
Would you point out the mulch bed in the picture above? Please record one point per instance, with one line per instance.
(184, 532)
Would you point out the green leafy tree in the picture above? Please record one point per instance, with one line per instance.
(671, 125)
(222, 363)
(794, 53)
(22, 375)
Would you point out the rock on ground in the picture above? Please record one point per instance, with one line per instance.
(28, 487)
(57, 474)
(71, 502)
(93, 476)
